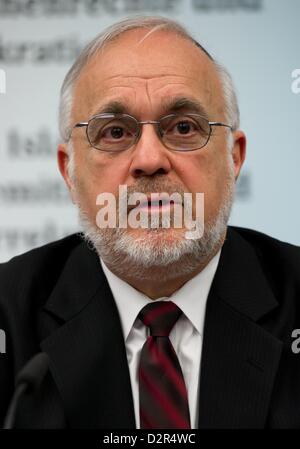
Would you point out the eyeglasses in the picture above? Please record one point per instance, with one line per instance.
(118, 132)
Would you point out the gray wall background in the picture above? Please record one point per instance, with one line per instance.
(258, 41)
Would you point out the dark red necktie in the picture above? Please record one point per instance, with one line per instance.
(163, 395)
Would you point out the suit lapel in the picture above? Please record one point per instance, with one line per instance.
(87, 353)
(239, 358)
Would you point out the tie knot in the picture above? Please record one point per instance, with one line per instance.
(160, 317)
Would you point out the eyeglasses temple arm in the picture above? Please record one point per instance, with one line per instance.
(220, 124)
(80, 124)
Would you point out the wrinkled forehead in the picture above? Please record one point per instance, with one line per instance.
(143, 64)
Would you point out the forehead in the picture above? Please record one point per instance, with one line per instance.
(144, 71)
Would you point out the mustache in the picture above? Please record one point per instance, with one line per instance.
(157, 185)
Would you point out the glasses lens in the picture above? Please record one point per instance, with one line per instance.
(112, 132)
(185, 132)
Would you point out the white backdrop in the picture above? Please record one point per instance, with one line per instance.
(258, 41)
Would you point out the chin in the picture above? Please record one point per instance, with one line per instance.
(157, 234)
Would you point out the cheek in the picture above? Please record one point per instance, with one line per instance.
(97, 173)
(208, 175)
(199, 173)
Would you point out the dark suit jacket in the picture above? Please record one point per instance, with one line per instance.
(56, 299)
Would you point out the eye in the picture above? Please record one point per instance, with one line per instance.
(110, 133)
(184, 127)
(113, 132)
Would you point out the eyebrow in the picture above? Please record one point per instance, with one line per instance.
(169, 106)
(112, 107)
(179, 104)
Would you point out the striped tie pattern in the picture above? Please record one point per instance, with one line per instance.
(162, 391)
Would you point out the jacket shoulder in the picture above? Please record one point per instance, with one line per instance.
(38, 268)
(279, 260)
(262, 241)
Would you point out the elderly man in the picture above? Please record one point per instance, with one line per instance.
(144, 325)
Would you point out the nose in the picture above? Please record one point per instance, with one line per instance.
(149, 155)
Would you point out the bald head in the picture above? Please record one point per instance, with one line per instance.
(140, 71)
(148, 26)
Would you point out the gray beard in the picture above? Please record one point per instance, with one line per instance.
(153, 255)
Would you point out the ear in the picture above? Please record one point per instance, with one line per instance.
(238, 151)
(63, 159)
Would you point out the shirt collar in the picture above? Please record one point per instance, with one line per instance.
(191, 297)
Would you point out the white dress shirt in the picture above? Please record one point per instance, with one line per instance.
(186, 335)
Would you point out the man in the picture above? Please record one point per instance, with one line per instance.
(147, 107)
